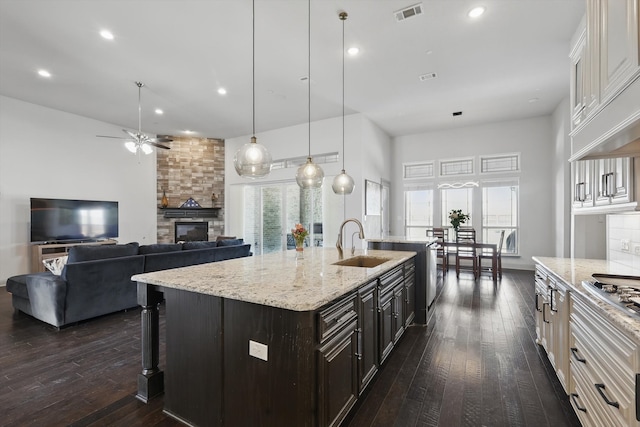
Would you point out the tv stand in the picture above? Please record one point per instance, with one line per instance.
(43, 251)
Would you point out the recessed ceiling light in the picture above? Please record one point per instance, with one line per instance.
(44, 73)
(476, 11)
(189, 132)
(353, 51)
(222, 91)
(106, 34)
(159, 111)
(532, 100)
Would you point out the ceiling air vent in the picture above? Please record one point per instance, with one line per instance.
(428, 76)
(408, 12)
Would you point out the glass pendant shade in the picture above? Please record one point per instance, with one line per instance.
(252, 160)
(146, 148)
(310, 175)
(131, 146)
(343, 184)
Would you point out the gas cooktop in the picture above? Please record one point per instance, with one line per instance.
(623, 292)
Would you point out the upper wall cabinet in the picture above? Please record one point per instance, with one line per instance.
(605, 81)
(603, 186)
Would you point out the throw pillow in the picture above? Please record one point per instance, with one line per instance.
(231, 242)
(198, 245)
(159, 248)
(55, 265)
(94, 252)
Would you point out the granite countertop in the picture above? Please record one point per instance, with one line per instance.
(278, 279)
(403, 239)
(574, 270)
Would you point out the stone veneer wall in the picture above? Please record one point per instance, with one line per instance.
(194, 167)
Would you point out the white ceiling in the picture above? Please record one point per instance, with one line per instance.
(183, 50)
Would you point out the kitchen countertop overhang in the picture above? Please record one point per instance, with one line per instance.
(278, 279)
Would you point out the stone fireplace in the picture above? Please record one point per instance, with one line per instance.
(192, 168)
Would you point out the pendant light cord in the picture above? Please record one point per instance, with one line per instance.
(139, 84)
(253, 65)
(343, 17)
(309, 75)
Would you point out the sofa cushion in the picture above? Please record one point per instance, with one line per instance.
(159, 248)
(231, 242)
(95, 252)
(199, 245)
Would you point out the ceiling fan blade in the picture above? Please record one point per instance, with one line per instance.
(114, 137)
(131, 134)
(163, 139)
(155, 144)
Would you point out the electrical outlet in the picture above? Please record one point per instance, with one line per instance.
(624, 245)
(258, 350)
(636, 248)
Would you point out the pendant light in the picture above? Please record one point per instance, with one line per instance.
(343, 183)
(309, 175)
(253, 160)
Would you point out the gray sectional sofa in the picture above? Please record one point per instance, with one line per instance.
(97, 279)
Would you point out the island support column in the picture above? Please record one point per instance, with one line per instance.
(151, 380)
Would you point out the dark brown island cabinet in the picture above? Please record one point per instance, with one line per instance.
(236, 363)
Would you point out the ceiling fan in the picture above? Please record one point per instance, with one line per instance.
(138, 141)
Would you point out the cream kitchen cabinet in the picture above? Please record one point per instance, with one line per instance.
(604, 363)
(618, 43)
(613, 181)
(603, 185)
(552, 321)
(605, 79)
(583, 188)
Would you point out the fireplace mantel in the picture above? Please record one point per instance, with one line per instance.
(190, 212)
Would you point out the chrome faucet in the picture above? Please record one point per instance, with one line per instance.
(339, 242)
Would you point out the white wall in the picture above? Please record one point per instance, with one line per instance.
(532, 138)
(368, 156)
(561, 125)
(49, 153)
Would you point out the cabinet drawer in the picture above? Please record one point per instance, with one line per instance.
(592, 393)
(391, 279)
(337, 316)
(609, 350)
(409, 268)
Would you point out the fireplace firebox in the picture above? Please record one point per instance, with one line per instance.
(191, 231)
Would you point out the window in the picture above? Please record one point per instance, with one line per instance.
(500, 212)
(418, 170)
(418, 208)
(456, 198)
(500, 163)
(456, 167)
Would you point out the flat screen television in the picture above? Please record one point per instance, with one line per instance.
(59, 220)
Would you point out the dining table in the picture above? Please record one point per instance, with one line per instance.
(481, 247)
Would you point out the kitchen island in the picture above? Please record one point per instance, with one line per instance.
(272, 340)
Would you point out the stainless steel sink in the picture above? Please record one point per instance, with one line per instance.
(362, 261)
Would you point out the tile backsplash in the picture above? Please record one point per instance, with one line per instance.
(623, 239)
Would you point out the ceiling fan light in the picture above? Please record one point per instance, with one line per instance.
(131, 146)
(310, 175)
(252, 160)
(343, 183)
(146, 148)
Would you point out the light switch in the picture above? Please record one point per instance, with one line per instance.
(258, 350)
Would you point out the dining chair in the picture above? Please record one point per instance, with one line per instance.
(488, 254)
(441, 235)
(466, 250)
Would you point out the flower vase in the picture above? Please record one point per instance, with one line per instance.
(454, 235)
(164, 202)
(299, 251)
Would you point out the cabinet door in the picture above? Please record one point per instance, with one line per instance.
(409, 300)
(386, 331)
(367, 335)
(613, 181)
(578, 73)
(337, 373)
(618, 44)
(398, 311)
(583, 173)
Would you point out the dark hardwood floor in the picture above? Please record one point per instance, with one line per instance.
(478, 365)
